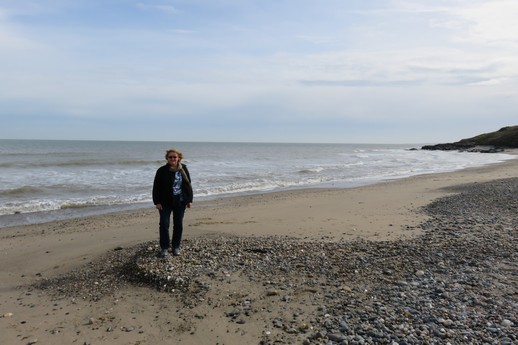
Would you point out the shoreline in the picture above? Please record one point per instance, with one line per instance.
(387, 212)
(42, 217)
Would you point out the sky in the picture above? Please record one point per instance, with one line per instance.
(355, 71)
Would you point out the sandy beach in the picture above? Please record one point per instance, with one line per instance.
(234, 306)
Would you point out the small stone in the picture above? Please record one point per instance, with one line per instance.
(272, 293)
(234, 313)
(346, 288)
(277, 324)
(336, 337)
(446, 322)
(303, 326)
(506, 341)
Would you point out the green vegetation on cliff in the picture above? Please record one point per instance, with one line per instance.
(506, 137)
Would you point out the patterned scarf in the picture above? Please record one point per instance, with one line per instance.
(180, 169)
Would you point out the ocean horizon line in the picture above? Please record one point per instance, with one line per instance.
(222, 142)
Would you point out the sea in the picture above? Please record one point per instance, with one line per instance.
(45, 180)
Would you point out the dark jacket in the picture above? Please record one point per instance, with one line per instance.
(163, 186)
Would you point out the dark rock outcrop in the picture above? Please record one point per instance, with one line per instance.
(504, 138)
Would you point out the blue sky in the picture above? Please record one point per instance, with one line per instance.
(270, 71)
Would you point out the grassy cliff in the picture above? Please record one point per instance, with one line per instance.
(506, 137)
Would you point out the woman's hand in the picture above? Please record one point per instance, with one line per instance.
(189, 205)
(158, 207)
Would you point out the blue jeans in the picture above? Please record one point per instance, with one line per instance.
(178, 210)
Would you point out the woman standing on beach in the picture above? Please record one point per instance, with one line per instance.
(172, 192)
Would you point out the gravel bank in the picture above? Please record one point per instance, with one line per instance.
(457, 283)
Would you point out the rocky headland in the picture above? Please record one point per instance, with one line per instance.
(504, 138)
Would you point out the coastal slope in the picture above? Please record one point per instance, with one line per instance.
(504, 138)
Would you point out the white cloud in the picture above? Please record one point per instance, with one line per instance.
(480, 22)
(491, 23)
(168, 9)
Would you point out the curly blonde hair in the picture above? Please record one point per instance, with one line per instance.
(180, 155)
